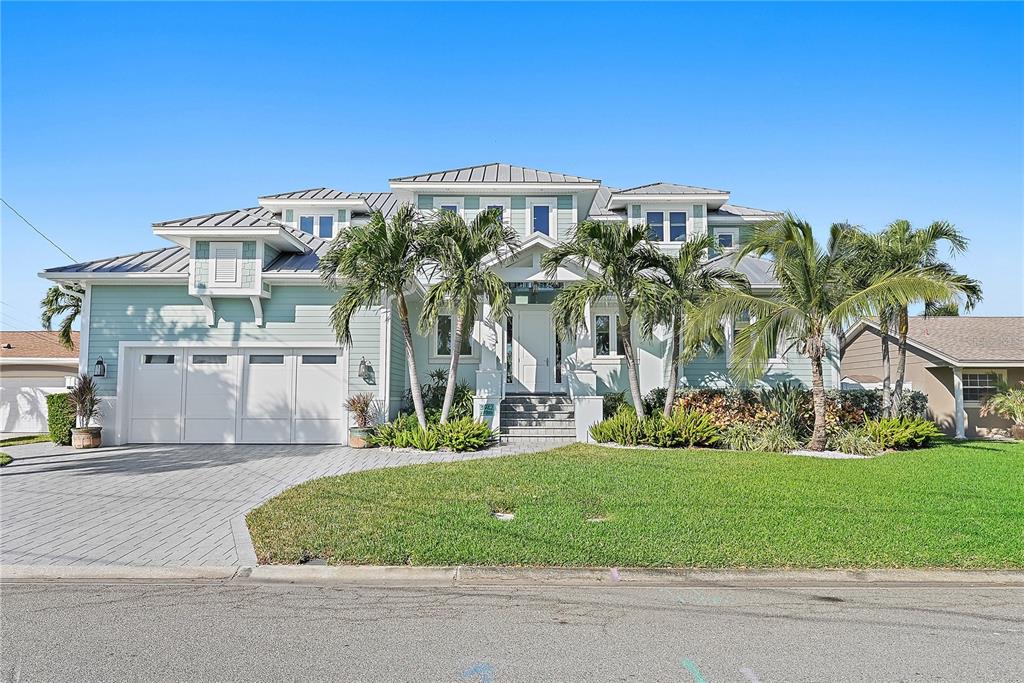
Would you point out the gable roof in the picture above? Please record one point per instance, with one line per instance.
(35, 344)
(599, 207)
(969, 340)
(493, 173)
(670, 189)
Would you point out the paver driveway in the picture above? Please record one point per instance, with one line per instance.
(163, 505)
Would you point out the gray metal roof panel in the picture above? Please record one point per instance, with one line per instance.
(254, 217)
(493, 173)
(165, 260)
(670, 189)
(760, 271)
(741, 211)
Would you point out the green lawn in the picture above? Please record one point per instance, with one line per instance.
(955, 505)
(22, 440)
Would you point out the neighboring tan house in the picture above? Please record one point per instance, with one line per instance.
(32, 366)
(957, 361)
(224, 336)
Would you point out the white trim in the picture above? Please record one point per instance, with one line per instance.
(1000, 373)
(84, 321)
(959, 414)
(552, 204)
(613, 357)
(257, 310)
(211, 313)
(70, 276)
(434, 358)
(65, 362)
(731, 231)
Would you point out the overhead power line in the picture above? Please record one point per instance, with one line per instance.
(40, 232)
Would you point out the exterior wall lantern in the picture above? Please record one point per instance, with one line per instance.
(366, 371)
(100, 370)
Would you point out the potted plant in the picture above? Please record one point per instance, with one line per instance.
(365, 411)
(86, 404)
(1008, 404)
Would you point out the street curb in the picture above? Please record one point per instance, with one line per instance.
(522, 576)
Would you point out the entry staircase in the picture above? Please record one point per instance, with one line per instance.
(537, 416)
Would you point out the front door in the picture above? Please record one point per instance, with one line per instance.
(533, 352)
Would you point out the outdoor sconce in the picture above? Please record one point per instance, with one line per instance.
(366, 371)
(101, 368)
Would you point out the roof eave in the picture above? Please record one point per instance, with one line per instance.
(497, 187)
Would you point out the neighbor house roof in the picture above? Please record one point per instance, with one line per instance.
(35, 344)
(493, 173)
(670, 189)
(965, 339)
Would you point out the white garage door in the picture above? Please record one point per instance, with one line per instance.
(248, 395)
(23, 402)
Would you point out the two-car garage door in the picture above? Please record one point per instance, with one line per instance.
(236, 395)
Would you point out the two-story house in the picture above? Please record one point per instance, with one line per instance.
(225, 336)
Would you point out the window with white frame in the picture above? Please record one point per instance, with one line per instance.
(606, 336)
(444, 334)
(980, 384)
(541, 218)
(677, 226)
(727, 238)
(656, 225)
(320, 226)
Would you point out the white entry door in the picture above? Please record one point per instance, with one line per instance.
(533, 346)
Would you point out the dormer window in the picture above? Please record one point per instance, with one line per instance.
(321, 226)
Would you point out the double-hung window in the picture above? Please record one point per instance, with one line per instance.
(656, 225)
(677, 226)
(445, 336)
(321, 226)
(542, 219)
(453, 208)
(980, 384)
(326, 227)
(306, 224)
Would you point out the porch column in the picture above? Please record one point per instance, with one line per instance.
(587, 404)
(958, 403)
(489, 374)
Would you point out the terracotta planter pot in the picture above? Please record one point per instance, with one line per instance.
(1017, 432)
(86, 437)
(357, 437)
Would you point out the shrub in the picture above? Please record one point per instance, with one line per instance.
(857, 441)
(902, 433)
(777, 438)
(790, 402)
(60, 418)
(464, 435)
(741, 436)
(613, 402)
(433, 398)
(725, 406)
(683, 429)
(1007, 403)
(458, 435)
(654, 401)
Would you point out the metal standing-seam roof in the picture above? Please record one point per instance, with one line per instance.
(315, 193)
(670, 189)
(168, 260)
(599, 207)
(254, 217)
(734, 211)
(493, 173)
(759, 271)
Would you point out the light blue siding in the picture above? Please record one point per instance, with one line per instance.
(293, 316)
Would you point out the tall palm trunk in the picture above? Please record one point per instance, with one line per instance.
(625, 335)
(410, 358)
(818, 435)
(453, 369)
(902, 330)
(673, 369)
(886, 375)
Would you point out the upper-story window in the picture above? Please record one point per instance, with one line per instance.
(656, 225)
(454, 208)
(321, 226)
(500, 208)
(727, 238)
(289, 215)
(677, 226)
(542, 219)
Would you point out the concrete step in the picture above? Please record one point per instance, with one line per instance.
(528, 422)
(551, 441)
(536, 400)
(513, 411)
(539, 432)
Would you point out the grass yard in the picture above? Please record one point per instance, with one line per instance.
(955, 505)
(22, 440)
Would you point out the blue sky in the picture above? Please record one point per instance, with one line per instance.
(118, 115)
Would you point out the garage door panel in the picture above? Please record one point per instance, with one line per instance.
(152, 430)
(156, 396)
(268, 385)
(318, 431)
(319, 391)
(211, 396)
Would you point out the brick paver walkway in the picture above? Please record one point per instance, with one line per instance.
(164, 505)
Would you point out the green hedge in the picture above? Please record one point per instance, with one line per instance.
(60, 417)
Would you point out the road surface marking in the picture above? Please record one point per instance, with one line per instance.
(692, 668)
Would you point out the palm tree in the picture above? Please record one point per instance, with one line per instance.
(58, 303)
(819, 294)
(901, 247)
(458, 251)
(370, 263)
(627, 264)
(691, 281)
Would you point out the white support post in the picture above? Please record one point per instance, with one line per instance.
(958, 403)
(257, 310)
(211, 316)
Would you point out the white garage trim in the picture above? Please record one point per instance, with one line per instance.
(128, 355)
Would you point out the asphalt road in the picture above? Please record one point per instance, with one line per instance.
(255, 632)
